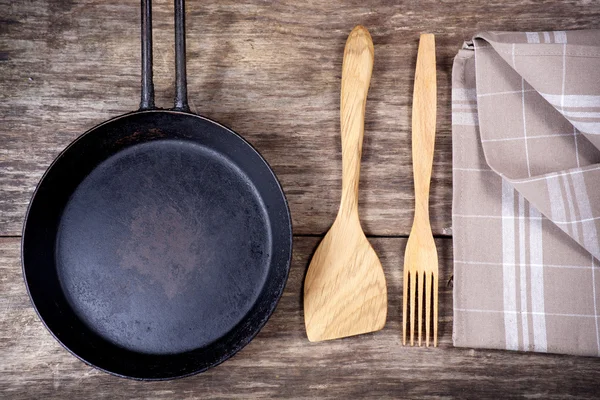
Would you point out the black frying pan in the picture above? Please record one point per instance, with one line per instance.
(158, 243)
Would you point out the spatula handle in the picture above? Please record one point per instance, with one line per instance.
(356, 77)
(423, 123)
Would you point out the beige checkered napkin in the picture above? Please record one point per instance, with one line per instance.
(526, 211)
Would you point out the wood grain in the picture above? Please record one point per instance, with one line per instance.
(268, 69)
(282, 363)
(271, 71)
(345, 291)
(420, 256)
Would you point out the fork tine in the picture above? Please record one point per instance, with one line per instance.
(404, 304)
(420, 282)
(435, 308)
(427, 306)
(413, 288)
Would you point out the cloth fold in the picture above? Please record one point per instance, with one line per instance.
(526, 191)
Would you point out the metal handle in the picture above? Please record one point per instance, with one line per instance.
(181, 101)
(147, 101)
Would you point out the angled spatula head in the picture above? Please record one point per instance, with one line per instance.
(345, 289)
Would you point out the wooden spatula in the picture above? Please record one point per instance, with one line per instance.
(345, 290)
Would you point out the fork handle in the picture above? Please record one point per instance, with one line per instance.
(423, 124)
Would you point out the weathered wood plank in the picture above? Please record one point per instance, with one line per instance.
(271, 71)
(282, 363)
(268, 69)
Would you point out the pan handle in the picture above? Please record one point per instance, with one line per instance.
(147, 101)
(181, 101)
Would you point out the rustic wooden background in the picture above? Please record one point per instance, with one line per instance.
(271, 71)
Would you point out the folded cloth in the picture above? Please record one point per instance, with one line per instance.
(526, 197)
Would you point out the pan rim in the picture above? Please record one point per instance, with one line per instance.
(261, 322)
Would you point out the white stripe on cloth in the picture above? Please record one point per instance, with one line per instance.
(531, 265)
(568, 172)
(476, 310)
(473, 169)
(564, 79)
(593, 128)
(572, 100)
(464, 107)
(536, 257)
(571, 207)
(513, 217)
(557, 205)
(525, 127)
(464, 94)
(505, 92)
(595, 301)
(513, 56)
(588, 226)
(582, 114)
(509, 271)
(547, 37)
(532, 37)
(507, 139)
(465, 118)
(569, 222)
(523, 273)
(575, 132)
(560, 37)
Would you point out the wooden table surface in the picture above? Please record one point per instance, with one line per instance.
(271, 71)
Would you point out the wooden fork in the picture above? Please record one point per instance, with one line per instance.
(420, 257)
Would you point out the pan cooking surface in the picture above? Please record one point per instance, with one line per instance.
(164, 247)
